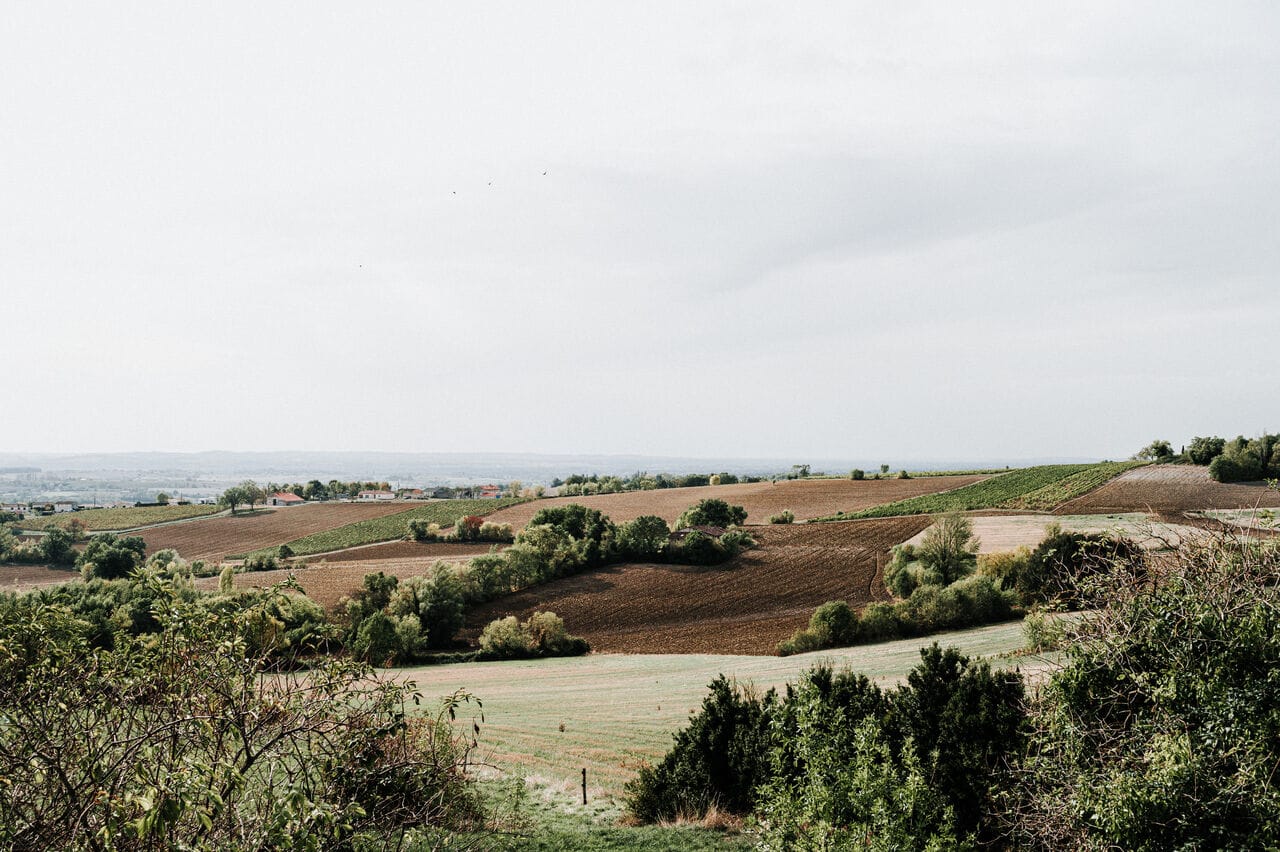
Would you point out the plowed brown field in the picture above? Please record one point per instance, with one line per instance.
(328, 582)
(23, 578)
(1168, 488)
(404, 550)
(807, 498)
(228, 535)
(743, 607)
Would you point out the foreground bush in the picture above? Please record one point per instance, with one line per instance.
(191, 737)
(837, 763)
(1161, 731)
(543, 635)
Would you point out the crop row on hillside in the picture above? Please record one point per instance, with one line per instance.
(998, 491)
(1070, 487)
(121, 519)
(391, 527)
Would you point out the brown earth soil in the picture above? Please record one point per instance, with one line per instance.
(328, 582)
(745, 606)
(22, 578)
(1168, 488)
(216, 538)
(807, 498)
(405, 550)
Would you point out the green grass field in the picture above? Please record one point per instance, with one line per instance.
(121, 519)
(1039, 488)
(620, 710)
(392, 527)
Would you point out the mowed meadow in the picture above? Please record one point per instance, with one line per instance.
(609, 713)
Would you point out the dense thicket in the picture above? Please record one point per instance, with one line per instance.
(804, 761)
(191, 729)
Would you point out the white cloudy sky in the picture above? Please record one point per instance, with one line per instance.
(838, 230)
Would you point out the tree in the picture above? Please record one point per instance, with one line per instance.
(857, 473)
(644, 538)
(712, 513)
(1205, 450)
(110, 558)
(233, 497)
(253, 494)
(163, 498)
(884, 468)
(949, 547)
(55, 547)
(1157, 451)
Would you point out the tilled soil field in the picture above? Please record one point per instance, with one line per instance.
(23, 578)
(807, 498)
(228, 535)
(743, 607)
(328, 582)
(1168, 488)
(405, 550)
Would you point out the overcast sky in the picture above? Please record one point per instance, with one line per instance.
(839, 230)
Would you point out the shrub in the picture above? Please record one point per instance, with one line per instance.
(857, 474)
(284, 551)
(786, 516)
(1064, 566)
(902, 474)
(468, 528)
(1004, 567)
(543, 635)
(422, 530)
(715, 762)
(259, 562)
(1160, 731)
(1042, 633)
(186, 739)
(227, 580)
(735, 541)
(698, 548)
(506, 638)
(879, 622)
(493, 531)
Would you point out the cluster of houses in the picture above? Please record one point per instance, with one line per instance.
(56, 507)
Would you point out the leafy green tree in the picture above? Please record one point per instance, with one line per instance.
(712, 512)
(949, 547)
(1205, 450)
(1157, 451)
(55, 547)
(110, 558)
(646, 537)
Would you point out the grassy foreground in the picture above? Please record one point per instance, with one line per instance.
(546, 720)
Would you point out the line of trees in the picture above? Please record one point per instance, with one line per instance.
(1240, 459)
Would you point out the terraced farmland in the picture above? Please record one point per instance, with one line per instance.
(742, 607)
(121, 519)
(1030, 487)
(807, 498)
